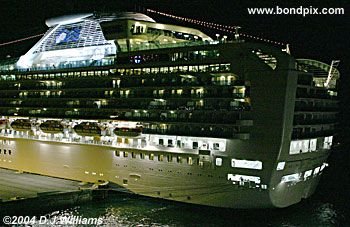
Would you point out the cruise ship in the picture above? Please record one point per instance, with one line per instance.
(167, 111)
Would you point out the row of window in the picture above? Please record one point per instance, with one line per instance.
(223, 67)
(168, 158)
(4, 151)
(235, 163)
(179, 56)
(160, 157)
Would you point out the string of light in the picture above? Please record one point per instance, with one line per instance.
(220, 27)
(20, 40)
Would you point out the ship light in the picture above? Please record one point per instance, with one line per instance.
(324, 165)
(317, 170)
(218, 161)
(281, 165)
(246, 164)
(243, 178)
(295, 177)
(307, 174)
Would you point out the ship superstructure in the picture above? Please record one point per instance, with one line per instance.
(166, 111)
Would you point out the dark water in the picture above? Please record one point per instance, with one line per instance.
(122, 210)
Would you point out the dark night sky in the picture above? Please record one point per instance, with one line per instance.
(319, 37)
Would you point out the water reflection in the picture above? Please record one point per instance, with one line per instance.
(125, 210)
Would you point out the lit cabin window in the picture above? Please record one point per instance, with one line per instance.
(243, 178)
(117, 153)
(160, 157)
(218, 161)
(299, 146)
(280, 165)
(126, 154)
(307, 174)
(190, 160)
(317, 170)
(151, 156)
(246, 164)
(313, 144)
(295, 177)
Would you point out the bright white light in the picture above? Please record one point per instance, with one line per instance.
(324, 165)
(218, 161)
(280, 165)
(295, 177)
(246, 164)
(307, 174)
(243, 178)
(317, 170)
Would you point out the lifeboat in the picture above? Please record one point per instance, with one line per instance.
(3, 123)
(125, 131)
(23, 125)
(88, 129)
(51, 126)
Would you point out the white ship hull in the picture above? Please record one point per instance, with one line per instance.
(168, 180)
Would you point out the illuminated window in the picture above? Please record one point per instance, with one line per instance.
(117, 153)
(218, 161)
(243, 178)
(307, 174)
(160, 157)
(151, 156)
(246, 164)
(324, 165)
(299, 146)
(280, 165)
(328, 142)
(189, 160)
(313, 144)
(317, 170)
(295, 177)
(126, 154)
